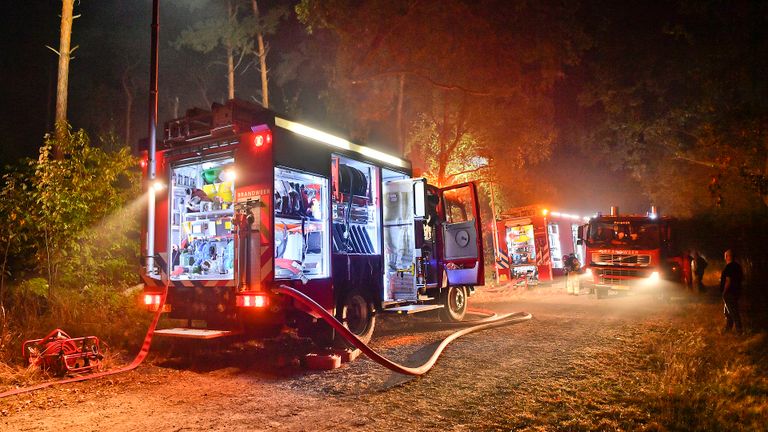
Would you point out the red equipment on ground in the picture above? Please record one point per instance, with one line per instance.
(61, 354)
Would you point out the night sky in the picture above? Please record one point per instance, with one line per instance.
(28, 76)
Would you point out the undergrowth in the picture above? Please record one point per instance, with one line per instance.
(115, 317)
(702, 380)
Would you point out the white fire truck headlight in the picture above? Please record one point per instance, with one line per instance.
(157, 185)
(654, 277)
(588, 272)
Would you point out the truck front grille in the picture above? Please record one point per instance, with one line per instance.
(621, 260)
(619, 276)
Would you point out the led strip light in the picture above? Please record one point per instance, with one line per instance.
(340, 143)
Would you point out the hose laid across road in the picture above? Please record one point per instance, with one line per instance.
(486, 323)
(489, 322)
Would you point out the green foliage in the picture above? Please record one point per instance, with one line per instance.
(16, 204)
(74, 197)
(35, 287)
(229, 26)
(70, 238)
(65, 219)
(682, 98)
(466, 160)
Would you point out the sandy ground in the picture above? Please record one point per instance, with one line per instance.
(539, 375)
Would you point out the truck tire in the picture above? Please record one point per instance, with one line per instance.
(454, 304)
(357, 314)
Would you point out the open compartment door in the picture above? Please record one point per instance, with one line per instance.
(403, 206)
(462, 236)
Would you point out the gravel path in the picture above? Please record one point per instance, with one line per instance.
(580, 364)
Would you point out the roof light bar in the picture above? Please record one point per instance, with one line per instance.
(340, 143)
(566, 215)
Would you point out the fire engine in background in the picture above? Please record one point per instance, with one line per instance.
(629, 252)
(254, 200)
(531, 241)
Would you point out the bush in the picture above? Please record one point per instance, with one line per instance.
(70, 237)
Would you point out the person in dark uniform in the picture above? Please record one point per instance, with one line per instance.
(699, 264)
(730, 285)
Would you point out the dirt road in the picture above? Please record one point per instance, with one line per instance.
(580, 364)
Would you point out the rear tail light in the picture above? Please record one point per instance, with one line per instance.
(151, 299)
(252, 301)
(152, 302)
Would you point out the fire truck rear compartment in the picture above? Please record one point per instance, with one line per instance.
(201, 226)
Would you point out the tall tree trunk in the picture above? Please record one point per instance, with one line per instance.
(442, 139)
(2, 272)
(399, 126)
(765, 175)
(128, 90)
(61, 88)
(230, 73)
(176, 107)
(262, 58)
(230, 57)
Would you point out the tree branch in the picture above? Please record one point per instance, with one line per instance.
(469, 171)
(704, 163)
(379, 39)
(433, 82)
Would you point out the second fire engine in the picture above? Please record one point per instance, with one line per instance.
(630, 252)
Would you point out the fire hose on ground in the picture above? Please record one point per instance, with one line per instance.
(481, 324)
(496, 321)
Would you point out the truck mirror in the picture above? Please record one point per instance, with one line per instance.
(579, 242)
(580, 234)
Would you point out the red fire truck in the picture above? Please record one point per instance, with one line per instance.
(532, 241)
(246, 200)
(631, 252)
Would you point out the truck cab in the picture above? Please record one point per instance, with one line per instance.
(630, 252)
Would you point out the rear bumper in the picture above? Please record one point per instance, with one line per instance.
(218, 306)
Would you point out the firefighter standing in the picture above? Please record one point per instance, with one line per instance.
(698, 265)
(730, 285)
(571, 265)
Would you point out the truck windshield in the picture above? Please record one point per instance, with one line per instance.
(624, 234)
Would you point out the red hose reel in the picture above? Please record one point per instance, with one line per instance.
(61, 354)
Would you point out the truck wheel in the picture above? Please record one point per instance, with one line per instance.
(356, 313)
(454, 304)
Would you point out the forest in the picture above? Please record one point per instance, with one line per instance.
(578, 105)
